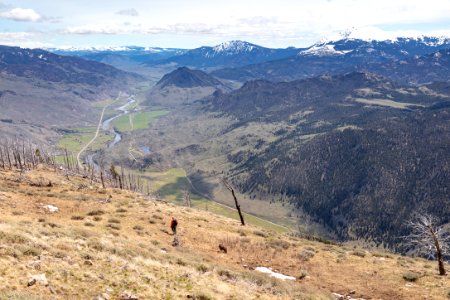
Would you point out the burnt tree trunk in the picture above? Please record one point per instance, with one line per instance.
(439, 255)
(238, 207)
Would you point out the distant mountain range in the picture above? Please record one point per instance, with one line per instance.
(229, 54)
(111, 54)
(346, 55)
(411, 59)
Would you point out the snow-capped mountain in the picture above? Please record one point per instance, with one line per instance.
(424, 58)
(234, 47)
(96, 49)
(118, 55)
(398, 48)
(230, 54)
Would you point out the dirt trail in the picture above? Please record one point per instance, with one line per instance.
(96, 132)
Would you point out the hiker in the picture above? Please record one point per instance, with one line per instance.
(173, 225)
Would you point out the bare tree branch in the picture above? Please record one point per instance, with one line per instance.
(429, 239)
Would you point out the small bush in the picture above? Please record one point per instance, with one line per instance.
(360, 253)
(41, 220)
(97, 218)
(87, 256)
(279, 244)
(310, 248)
(15, 295)
(202, 296)
(59, 254)
(306, 254)
(29, 251)
(77, 218)
(225, 273)
(155, 242)
(260, 233)
(242, 232)
(180, 262)
(13, 238)
(113, 226)
(96, 212)
(302, 275)
(121, 210)
(96, 245)
(157, 217)
(202, 268)
(138, 228)
(411, 276)
(52, 225)
(89, 224)
(115, 221)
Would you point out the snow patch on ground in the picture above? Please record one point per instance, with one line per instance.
(51, 208)
(274, 274)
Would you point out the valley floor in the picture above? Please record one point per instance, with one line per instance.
(117, 243)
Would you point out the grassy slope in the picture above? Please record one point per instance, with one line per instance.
(171, 184)
(75, 141)
(91, 247)
(139, 120)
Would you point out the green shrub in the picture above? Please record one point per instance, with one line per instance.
(411, 276)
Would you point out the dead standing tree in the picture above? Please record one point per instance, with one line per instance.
(187, 198)
(430, 239)
(238, 207)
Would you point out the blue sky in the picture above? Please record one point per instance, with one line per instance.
(192, 23)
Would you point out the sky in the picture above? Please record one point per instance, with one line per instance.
(194, 23)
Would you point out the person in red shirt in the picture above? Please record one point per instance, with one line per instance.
(173, 225)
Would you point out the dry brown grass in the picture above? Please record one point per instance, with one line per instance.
(88, 248)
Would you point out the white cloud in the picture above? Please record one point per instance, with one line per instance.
(128, 12)
(21, 15)
(23, 39)
(275, 23)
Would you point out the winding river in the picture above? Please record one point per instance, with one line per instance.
(106, 126)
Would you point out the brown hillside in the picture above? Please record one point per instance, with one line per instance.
(96, 244)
